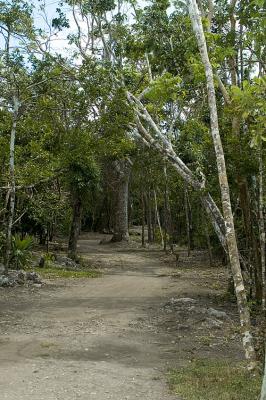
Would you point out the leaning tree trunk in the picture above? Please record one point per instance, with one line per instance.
(75, 227)
(161, 144)
(224, 187)
(122, 174)
(12, 185)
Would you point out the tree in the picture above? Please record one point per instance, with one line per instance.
(15, 23)
(263, 388)
(225, 192)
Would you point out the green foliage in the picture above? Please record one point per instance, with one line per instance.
(21, 251)
(114, 125)
(49, 259)
(75, 116)
(16, 16)
(60, 21)
(250, 104)
(165, 88)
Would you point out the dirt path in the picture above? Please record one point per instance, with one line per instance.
(88, 339)
(98, 338)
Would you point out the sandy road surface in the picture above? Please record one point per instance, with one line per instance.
(91, 338)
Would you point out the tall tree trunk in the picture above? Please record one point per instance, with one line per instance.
(224, 187)
(75, 227)
(143, 220)
(158, 217)
(244, 196)
(262, 229)
(263, 388)
(208, 245)
(252, 243)
(149, 215)
(164, 147)
(12, 196)
(123, 169)
(187, 221)
(167, 213)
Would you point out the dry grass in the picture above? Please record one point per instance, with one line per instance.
(214, 380)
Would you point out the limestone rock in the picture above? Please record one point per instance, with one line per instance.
(217, 313)
(5, 281)
(33, 276)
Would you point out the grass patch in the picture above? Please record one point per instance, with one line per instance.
(47, 345)
(214, 380)
(53, 273)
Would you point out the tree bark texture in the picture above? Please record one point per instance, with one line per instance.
(187, 221)
(75, 227)
(122, 174)
(263, 388)
(149, 215)
(143, 220)
(12, 194)
(158, 217)
(224, 187)
(262, 230)
(164, 147)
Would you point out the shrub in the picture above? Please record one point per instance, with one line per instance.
(21, 251)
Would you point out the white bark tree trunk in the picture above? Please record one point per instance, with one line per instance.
(164, 147)
(12, 196)
(224, 187)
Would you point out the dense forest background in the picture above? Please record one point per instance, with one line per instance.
(143, 117)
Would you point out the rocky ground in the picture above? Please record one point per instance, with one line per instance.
(114, 337)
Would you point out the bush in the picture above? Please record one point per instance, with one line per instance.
(21, 251)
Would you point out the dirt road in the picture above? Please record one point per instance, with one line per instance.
(91, 338)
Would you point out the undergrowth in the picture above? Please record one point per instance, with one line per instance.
(52, 273)
(214, 380)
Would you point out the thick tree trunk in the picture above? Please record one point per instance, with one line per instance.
(122, 172)
(12, 185)
(225, 195)
(75, 227)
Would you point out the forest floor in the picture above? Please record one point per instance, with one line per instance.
(116, 336)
